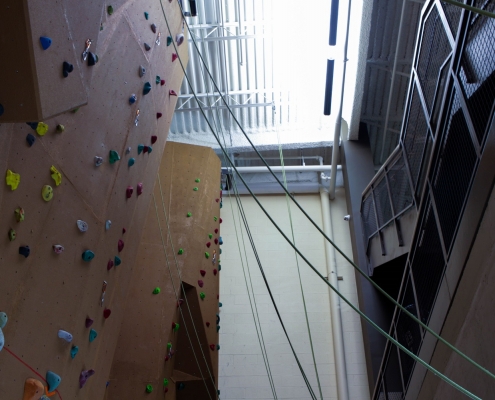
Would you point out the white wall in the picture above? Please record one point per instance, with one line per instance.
(242, 371)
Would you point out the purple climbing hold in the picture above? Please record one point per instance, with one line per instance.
(45, 42)
(200, 283)
(84, 376)
(202, 272)
(89, 322)
(24, 251)
(109, 265)
(120, 245)
(139, 189)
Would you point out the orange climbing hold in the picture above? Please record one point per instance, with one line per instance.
(33, 389)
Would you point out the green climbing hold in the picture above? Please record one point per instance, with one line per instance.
(110, 10)
(195, 189)
(158, 79)
(189, 214)
(202, 295)
(113, 157)
(207, 255)
(165, 382)
(156, 290)
(146, 88)
(210, 235)
(176, 327)
(215, 218)
(197, 180)
(149, 388)
(169, 345)
(169, 40)
(180, 251)
(146, 15)
(12, 235)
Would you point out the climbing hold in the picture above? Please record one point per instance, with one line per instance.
(180, 251)
(92, 335)
(212, 347)
(33, 125)
(197, 180)
(218, 347)
(153, 28)
(157, 79)
(179, 302)
(12, 235)
(52, 380)
(174, 57)
(157, 41)
(83, 226)
(210, 235)
(207, 324)
(149, 149)
(74, 351)
(218, 328)
(129, 191)
(215, 218)
(153, 139)
(67, 68)
(88, 255)
(120, 245)
(202, 272)
(65, 335)
(220, 241)
(219, 267)
(207, 255)
(98, 161)
(109, 265)
(200, 283)
(92, 59)
(179, 38)
(156, 290)
(117, 261)
(219, 304)
(3, 320)
(220, 220)
(132, 99)
(217, 200)
(149, 388)
(2, 340)
(215, 272)
(165, 382)
(45, 42)
(162, 82)
(175, 326)
(108, 224)
(88, 322)
(84, 376)
(131, 162)
(167, 358)
(181, 386)
(24, 251)
(146, 15)
(56, 176)
(208, 244)
(189, 215)
(58, 249)
(113, 156)
(218, 319)
(195, 189)
(110, 10)
(33, 389)
(172, 93)
(146, 88)
(106, 313)
(216, 230)
(128, 150)
(220, 251)
(169, 345)
(139, 189)
(19, 214)
(140, 148)
(12, 179)
(147, 47)
(30, 139)
(202, 295)
(123, 231)
(216, 241)
(158, 115)
(141, 71)
(169, 40)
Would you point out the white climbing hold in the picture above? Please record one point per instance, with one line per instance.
(83, 226)
(108, 224)
(65, 335)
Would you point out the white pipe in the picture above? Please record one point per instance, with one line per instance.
(335, 311)
(290, 168)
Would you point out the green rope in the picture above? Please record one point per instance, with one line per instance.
(470, 8)
(354, 265)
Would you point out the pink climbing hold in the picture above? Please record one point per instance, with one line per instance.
(216, 241)
(129, 191)
(216, 230)
(84, 376)
(139, 189)
(158, 115)
(162, 82)
(109, 265)
(200, 283)
(89, 322)
(172, 92)
(208, 244)
(212, 347)
(174, 57)
(215, 272)
(153, 139)
(106, 313)
(207, 324)
(120, 245)
(202, 272)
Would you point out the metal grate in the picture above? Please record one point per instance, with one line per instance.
(392, 381)
(477, 74)
(399, 186)
(382, 202)
(453, 15)
(368, 215)
(435, 48)
(415, 136)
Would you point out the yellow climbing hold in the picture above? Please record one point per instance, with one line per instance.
(47, 192)
(42, 128)
(57, 176)
(12, 179)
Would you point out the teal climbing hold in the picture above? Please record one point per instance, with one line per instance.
(218, 347)
(140, 148)
(207, 255)
(131, 162)
(169, 40)
(218, 328)
(92, 335)
(3, 320)
(88, 255)
(117, 260)
(220, 251)
(146, 88)
(75, 350)
(219, 267)
(113, 156)
(146, 15)
(150, 149)
(158, 79)
(181, 386)
(52, 380)
(219, 304)
(2, 340)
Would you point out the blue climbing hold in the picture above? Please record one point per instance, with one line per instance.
(33, 125)
(74, 351)
(132, 99)
(220, 240)
(117, 261)
(92, 335)
(140, 148)
(88, 255)
(45, 42)
(131, 162)
(52, 380)
(30, 139)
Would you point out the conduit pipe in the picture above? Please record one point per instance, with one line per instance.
(291, 168)
(335, 310)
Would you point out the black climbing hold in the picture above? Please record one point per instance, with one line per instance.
(92, 59)
(30, 139)
(147, 47)
(67, 68)
(24, 251)
(181, 386)
(153, 28)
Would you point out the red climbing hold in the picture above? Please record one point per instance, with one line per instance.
(216, 230)
(120, 245)
(123, 231)
(221, 194)
(217, 200)
(202, 272)
(106, 313)
(200, 283)
(174, 57)
(207, 324)
(139, 189)
(129, 191)
(220, 220)
(212, 347)
(158, 115)
(215, 272)
(145, 149)
(218, 296)
(208, 244)
(89, 322)
(165, 390)
(216, 241)
(167, 358)
(154, 138)
(109, 265)
(172, 92)
(162, 82)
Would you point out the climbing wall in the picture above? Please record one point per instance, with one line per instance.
(181, 217)
(46, 292)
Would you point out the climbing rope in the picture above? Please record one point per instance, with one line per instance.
(362, 273)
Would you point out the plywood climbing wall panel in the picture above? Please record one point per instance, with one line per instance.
(142, 357)
(46, 292)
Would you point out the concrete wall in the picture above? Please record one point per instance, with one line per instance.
(242, 370)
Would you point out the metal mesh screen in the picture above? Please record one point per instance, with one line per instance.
(368, 215)
(477, 75)
(435, 47)
(453, 15)
(393, 382)
(455, 169)
(415, 136)
(382, 202)
(399, 186)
